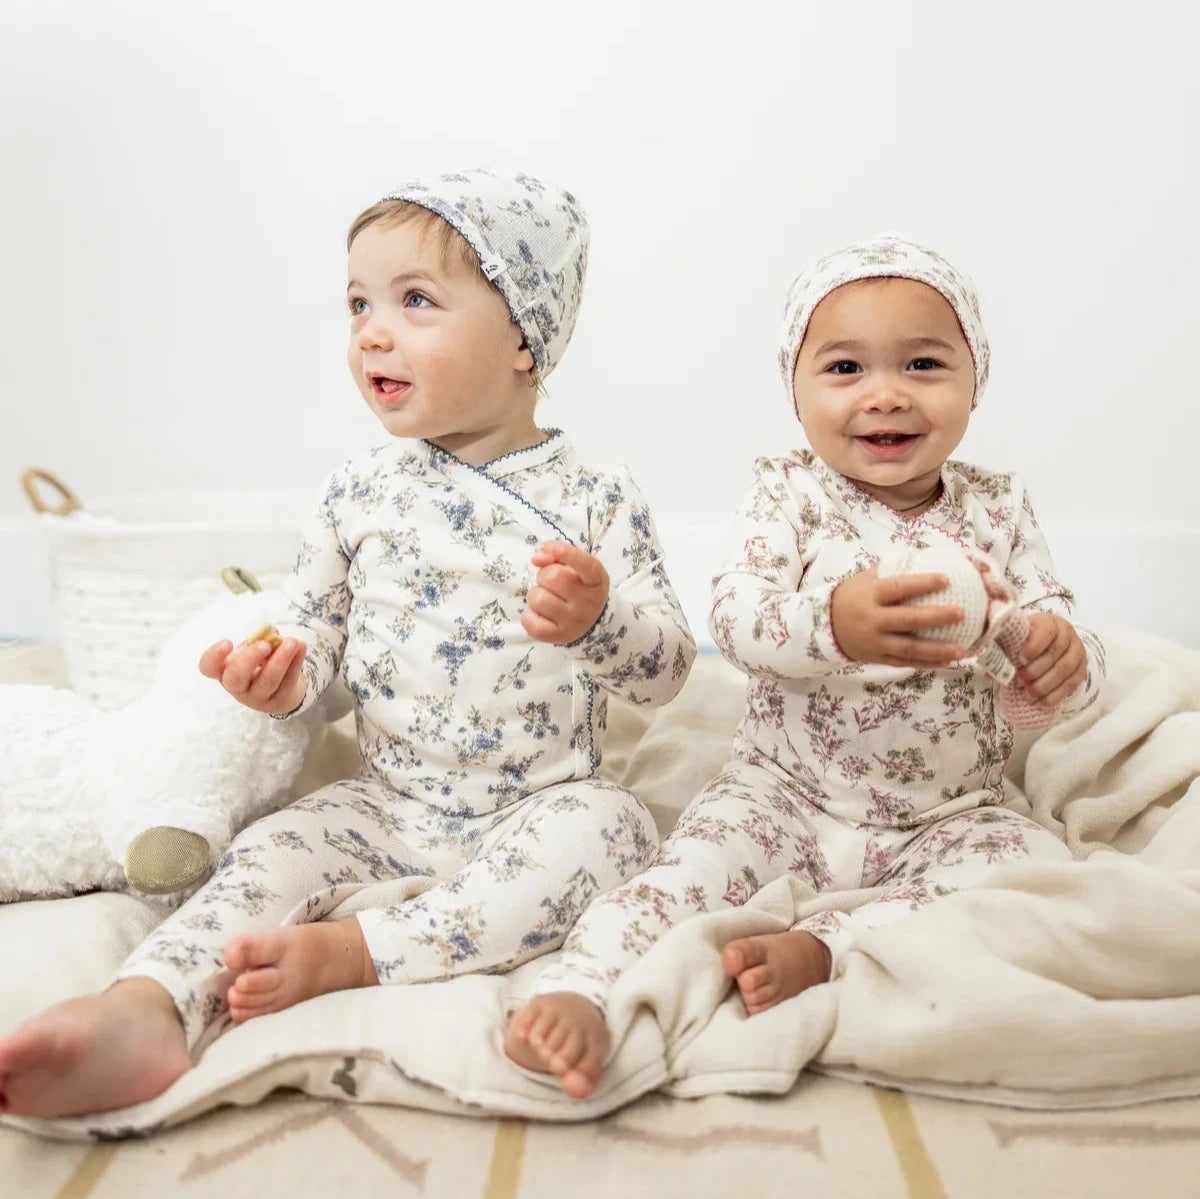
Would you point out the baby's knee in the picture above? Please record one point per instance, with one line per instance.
(613, 817)
(260, 839)
(627, 816)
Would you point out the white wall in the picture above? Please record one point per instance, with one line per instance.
(177, 181)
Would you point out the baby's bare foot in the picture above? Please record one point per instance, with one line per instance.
(94, 1054)
(282, 967)
(776, 966)
(560, 1033)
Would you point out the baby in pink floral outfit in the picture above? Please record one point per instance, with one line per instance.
(869, 755)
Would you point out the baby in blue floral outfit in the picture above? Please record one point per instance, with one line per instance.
(479, 590)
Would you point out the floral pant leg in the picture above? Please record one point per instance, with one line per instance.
(535, 866)
(947, 856)
(353, 832)
(745, 829)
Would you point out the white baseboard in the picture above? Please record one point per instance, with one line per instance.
(1125, 577)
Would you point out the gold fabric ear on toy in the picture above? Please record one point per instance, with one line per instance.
(239, 580)
(163, 860)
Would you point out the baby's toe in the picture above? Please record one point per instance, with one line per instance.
(568, 1053)
(755, 979)
(580, 1081)
(545, 1023)
(521, 1022)
(739, 956)
(237, 954)
(556, 1038)
(257, 982)
(254, 950)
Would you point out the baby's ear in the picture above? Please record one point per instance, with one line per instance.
(524, 357)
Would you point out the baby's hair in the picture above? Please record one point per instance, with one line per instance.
(450, 242)
(401, 212)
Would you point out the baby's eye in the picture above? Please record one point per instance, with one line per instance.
(924, 364)
(417, 299)
(358, 306)
(844, 366)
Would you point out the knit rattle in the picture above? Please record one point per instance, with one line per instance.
(993, 630)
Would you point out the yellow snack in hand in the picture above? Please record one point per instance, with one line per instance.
(268, 633)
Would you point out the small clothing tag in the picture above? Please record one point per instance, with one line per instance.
(995, 664)
(492, 267)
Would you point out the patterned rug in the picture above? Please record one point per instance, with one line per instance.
(827, 1138)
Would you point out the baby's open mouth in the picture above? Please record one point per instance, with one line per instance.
(890, 438)
(389, 392)
(888, 443)
(387, 385)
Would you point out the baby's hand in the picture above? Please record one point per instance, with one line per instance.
(569, 595)
(259, 674)
(872, 624)
(1055, 660)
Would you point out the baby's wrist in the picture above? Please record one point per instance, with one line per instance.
(834, 620)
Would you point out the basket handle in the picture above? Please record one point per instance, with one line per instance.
(68, 502)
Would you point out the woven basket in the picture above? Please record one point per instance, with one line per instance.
(128, 572)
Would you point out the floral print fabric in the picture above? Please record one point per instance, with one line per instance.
(874, 743)
(752, 825)
(493, 890)
(479, 745)
(410, 583)
(845, 774)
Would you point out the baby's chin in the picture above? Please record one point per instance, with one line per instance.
(889, 474)
(892, 477)
(401, 420)
(918, 463)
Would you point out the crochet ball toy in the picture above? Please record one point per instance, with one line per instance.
(993, 630)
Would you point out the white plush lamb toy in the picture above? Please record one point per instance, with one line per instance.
(148, 797)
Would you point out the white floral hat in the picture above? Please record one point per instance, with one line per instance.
(532, 242)
(889, 256)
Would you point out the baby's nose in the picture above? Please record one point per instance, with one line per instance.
(888, 396)
(374, 334)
